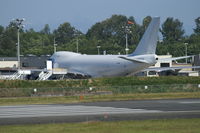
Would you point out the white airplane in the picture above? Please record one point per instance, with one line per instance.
(112, 65)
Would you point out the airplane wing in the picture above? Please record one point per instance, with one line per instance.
(160, 69)
(174, 58)
(133, 59)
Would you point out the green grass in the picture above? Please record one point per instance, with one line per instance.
(116, 81)
(146, 126)
(117, 85)
(94, 98)
(71, 91)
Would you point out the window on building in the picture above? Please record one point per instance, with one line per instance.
(164, 65)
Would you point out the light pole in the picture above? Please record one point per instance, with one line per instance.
(77, 34)
(54, 45)
(98, 47)
(18, 49)
(126, 49)
(186, 52)
(77, 45)
(127, 30)
(19, 25)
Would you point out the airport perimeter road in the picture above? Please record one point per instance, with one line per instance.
(100, 111)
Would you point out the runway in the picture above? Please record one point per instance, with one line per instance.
(100, 111)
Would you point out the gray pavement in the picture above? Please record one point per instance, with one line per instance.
(100, 111)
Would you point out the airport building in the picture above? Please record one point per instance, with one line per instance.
(36, 62)
(9, 65)
(181, 72)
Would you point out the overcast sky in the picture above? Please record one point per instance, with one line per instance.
(82, 14)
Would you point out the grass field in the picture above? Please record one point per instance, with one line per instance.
(94, 98)
(146, 126)
(115, 81)
(13, 92)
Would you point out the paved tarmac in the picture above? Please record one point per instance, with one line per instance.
(100, 111)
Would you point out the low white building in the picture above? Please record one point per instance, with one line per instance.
(160, 64)
(8, 62)
(168, 63)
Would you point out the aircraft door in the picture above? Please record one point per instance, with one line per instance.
(49, 64)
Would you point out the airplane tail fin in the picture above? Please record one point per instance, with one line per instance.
(148, 43)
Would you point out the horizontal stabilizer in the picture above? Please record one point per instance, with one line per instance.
(133, 59)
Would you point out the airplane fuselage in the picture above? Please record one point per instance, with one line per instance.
(99, 65)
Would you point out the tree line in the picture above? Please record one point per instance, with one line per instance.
(109, 34)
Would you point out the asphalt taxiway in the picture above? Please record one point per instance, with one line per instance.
(100, 111)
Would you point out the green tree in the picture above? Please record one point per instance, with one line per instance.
(111, 27)
(36, 43)
(194, 38)
(9, 40)
(146, 21)
(112, 31)
(197, 29)
(137, 32)
(1, 30)
(1, 37)
(145, 24)
(65, 33)
(46, 29)
(172, 30)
